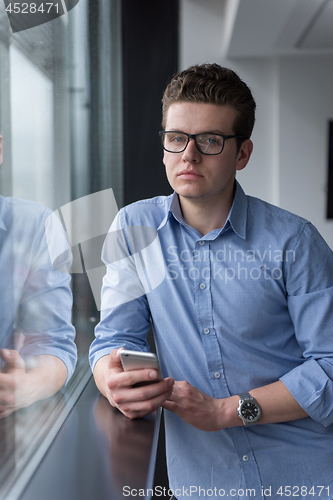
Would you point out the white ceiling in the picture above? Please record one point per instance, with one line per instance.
(262, 28)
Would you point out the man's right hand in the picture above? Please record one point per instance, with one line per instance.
(117, 386)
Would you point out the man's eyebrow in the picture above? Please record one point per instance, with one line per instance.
(216, 132)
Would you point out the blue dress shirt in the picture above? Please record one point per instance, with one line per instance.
(35, 300)
(238, 308)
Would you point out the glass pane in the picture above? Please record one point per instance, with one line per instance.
(32, 129)
(61, 123)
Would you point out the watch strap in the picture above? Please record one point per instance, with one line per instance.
(244, 396)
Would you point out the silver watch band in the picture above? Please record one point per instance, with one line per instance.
(245, 395)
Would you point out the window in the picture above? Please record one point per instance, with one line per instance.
(61, 122)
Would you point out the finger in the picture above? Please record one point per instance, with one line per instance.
(130, 378)
(162, 390)
(114, 359)
(129, 393)
(133, 377)
(13, 360)
(180, 392)
(135, 409)
(171, 406)
(176, 398)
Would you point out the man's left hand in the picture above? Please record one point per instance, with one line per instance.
(12, 382)
(22, 384)
(195, 407)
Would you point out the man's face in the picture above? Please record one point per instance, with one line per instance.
(197, 176)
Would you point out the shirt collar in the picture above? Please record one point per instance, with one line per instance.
(174, 210)
(236, 218)
(238, 212)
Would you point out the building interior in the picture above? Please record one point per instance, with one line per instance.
(80, 112)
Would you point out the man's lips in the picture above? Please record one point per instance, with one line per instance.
(189, 174)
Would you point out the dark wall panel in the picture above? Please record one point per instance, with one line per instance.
(150, 58)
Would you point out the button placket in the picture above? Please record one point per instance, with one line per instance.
(204, 312)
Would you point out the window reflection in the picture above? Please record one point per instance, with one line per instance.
(32, 129)
(61, 120)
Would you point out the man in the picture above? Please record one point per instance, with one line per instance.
(38, 353)
(242, 321)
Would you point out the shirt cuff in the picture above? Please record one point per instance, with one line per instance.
(313, 390)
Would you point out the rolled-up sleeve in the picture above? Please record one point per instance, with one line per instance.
(310, 302)
(125, 315)
(44, 297)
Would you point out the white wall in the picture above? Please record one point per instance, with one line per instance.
(294, 98)
(306, 105)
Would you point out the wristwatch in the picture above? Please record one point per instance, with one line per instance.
(248, 409)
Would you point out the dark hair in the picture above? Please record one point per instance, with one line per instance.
(213, 84)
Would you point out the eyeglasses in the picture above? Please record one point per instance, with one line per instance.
(207, 144)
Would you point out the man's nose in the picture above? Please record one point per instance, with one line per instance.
(191, 152)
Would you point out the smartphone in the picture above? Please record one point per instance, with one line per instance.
(136, 360)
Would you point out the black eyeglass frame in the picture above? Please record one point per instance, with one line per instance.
(194, 136)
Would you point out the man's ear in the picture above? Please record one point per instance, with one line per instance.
(244, 154)
(1, 142)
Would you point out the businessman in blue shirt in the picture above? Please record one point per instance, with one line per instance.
(243, 319)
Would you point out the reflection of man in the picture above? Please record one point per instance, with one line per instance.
(243, 320)
(37, 339)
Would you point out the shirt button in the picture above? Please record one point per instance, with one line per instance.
(202, 286)
(201, 243)
(206, 330)
(245, 458)
(217, 374)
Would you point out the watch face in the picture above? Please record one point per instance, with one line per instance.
(249, 411)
